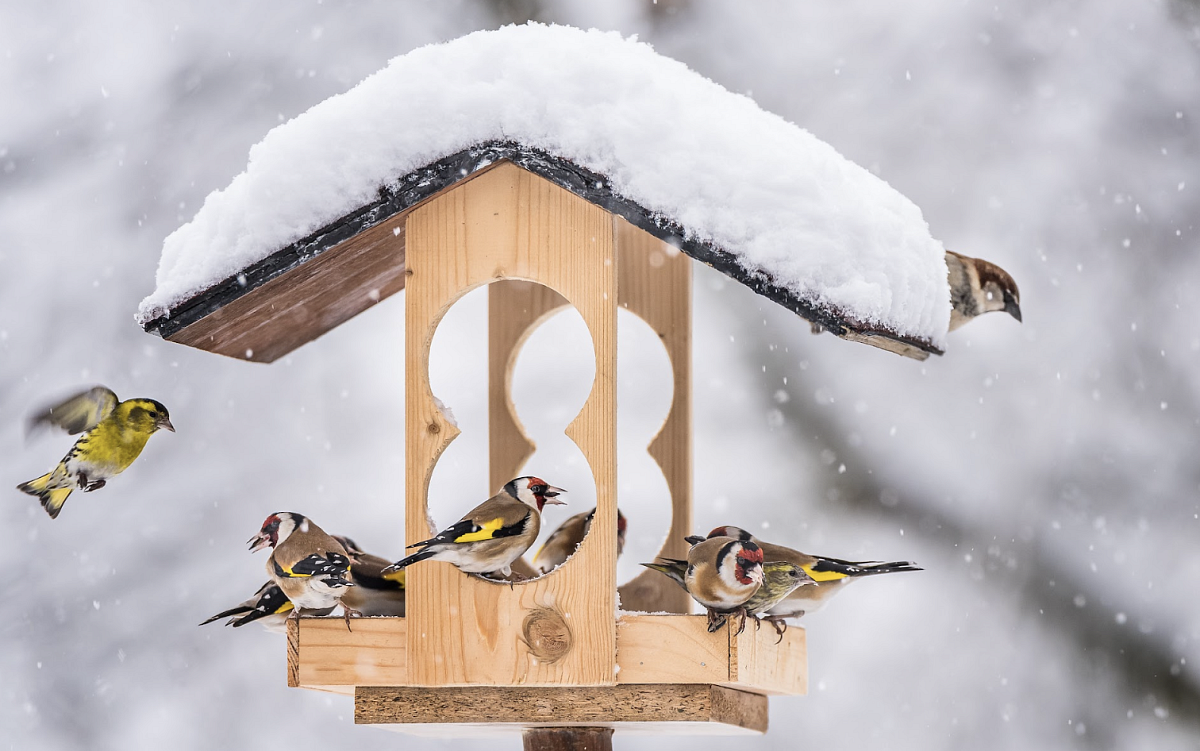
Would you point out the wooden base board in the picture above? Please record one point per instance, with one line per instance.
(669, 707)
(651, 649)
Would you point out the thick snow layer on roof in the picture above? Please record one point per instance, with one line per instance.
(667, 138)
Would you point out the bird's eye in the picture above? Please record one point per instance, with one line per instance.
(538, 489)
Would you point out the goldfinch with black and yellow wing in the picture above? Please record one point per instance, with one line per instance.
(722, 575)
(268, 606)
(310, 567)
(831, 574)
(779, 579)
(374, 592)
(493, 534)
(564, 541)
(114, 434)
(977, 287)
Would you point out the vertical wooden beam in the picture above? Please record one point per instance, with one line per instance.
(656, 285)
(515, 310)
(567, 739)
(560, 629)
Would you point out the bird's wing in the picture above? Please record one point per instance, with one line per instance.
(273, 602)
(368, 569)
(79, 413)
(313, 565)
(477, 530)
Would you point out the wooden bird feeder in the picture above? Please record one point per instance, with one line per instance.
(554, 652)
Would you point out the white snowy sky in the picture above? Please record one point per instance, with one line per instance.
(1043, 473)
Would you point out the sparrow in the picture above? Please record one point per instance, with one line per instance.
(780, 578)
(114, 434)
(374, 593)
(977, 287)
(269, 606)
(830, 574)
(493, 534)
(562, 542)
(310, 567)
(720, 573)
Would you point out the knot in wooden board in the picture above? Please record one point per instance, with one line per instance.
(546, 633)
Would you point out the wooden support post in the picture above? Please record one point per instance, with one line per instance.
(557, 630)
(656, 285)
(515, 309)
(568, 739)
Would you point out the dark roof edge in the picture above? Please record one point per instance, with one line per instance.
(427, 181)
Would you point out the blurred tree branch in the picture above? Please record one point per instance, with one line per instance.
(1150, 674)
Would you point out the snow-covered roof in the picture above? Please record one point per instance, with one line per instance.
(737, 187)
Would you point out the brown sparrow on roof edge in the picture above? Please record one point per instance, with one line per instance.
(977, 287)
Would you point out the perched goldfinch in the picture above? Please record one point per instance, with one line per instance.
(114, 434)
(780, 578)
(562, 542)
(268, 606)
(310, 567)
(977, 287)
(271, 607)
(374, 592)
(722, 574)
(493, 534)
(830, 574)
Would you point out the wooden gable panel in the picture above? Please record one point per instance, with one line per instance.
(302, 304)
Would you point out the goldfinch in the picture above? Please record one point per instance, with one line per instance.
(977, 287)
(493, 534)
(374, 592)
(780, 578)
(268, 606)
(562, 542)
(114, 434)
(310, 567)
(722, 574)
(381, 596)
(831, 574)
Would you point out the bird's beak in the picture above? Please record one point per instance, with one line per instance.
(551, 496)
(694, 539)
(258, 542)
(1011, 306)
(165, 424)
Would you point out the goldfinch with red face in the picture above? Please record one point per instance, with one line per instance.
(831, 574)
(977, 287)
(780, 578)
(379, 595)
(564, 541)
(493, 534)
(310, 567)
(114, 434)
(722, 575)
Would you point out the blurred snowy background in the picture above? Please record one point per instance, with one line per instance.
(1044, 474)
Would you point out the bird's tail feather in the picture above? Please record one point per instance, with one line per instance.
(52, 497)
(864, 568)
(674, 569)
(420, 555)
(239, 610)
